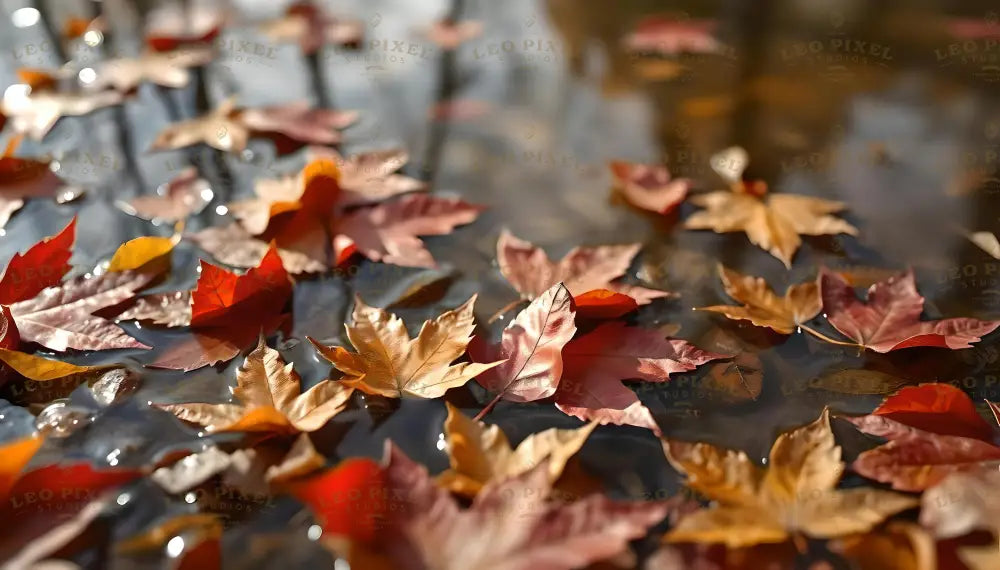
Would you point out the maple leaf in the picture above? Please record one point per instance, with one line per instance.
(43, 265)
(890, 319)
(899, 546)
(367, 176)
(595, 364)
(795, 496)
(479, 455)
(233, 245)
(270, 399)
(671, 36)
(963, 502)
(22, 178)
(228, 127)
(933, 430)
(584, 269)
(166, 68)
(530, 348)
(185, 194)
(510, 526)
(649, 187)
(227, 311)
(388, 363)
(312, 27)
(765, 309)
(772, 222)
(35, 106)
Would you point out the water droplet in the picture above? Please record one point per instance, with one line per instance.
(123, 499)
(441, 443)
(87, 75)
(221, 210)
(93, 38)
(190, 498)
(25, 17)
(314, 532)
(113, 457)
(60, 420)
(207, 195)
(175, 547)
(763, 461)
(113, 385)
(341, 564)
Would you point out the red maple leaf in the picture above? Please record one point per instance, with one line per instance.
(890, 319)
(933, 430)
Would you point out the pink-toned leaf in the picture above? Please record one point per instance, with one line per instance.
(61, 318)
(649, 187)
(298, 122)
(168, 309)
(233, 245)
(596, 363)
(183, 195)
(531, 348)
(890, 320)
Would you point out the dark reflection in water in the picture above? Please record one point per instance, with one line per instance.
(874, 104)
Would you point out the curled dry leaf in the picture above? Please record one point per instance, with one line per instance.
(933, 431)
(37, 105)
(765, 309)
(389, 363)
(480, 454)
(890, 319)
(270, 400)
(227, 312)
(530, 349)
(405, 521)
(312, 27)
(595, 364)
(672, 36)
(166, 68)
(185, 194)
(649, 187)
(584, 269)
(797, 494)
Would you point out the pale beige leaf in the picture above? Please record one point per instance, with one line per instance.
(804, 462)
(723, 475)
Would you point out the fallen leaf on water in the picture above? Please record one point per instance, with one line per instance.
(312, 27)
(165, 68)
(388, 363)
(62, 317)
(672, 36)
(933, 431)
(36, 107)
(772, 222)
(584, 269)
(270, 400)
(22, 178)
(229, 127)
(43, 369)
(858, 381)
(512, 525)
(146, 254)
(43, 265)
(963, 502)
(480, 454)
(233, 245)
(736, 381)
(795, 496)
(595, 364)
(172, 26)
(890, 319)
(168, 309)
(763, 307)
(369, 176)
(649, 187)
(899, 546)
(15, 457)
(36, 554)
(228, 311)
(603, 304)
(200, 535)
(183, 195)
(530, 349)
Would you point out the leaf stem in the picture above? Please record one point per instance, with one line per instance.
(488, 407)
(503, 310)
(823, 337)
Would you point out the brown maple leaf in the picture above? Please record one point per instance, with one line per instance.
(530, 348)
(890, 320)
(772, 222)
(595, 364)
(765, 309)
(582, 270)
(229, 127)
(388, 363)
(511, 525)
(270, 399)
(312, 27)
(185, 194)
(933, 430)
(649, 187)
(168, 68)
(797, 495)
(36, 104)
(480, 455)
